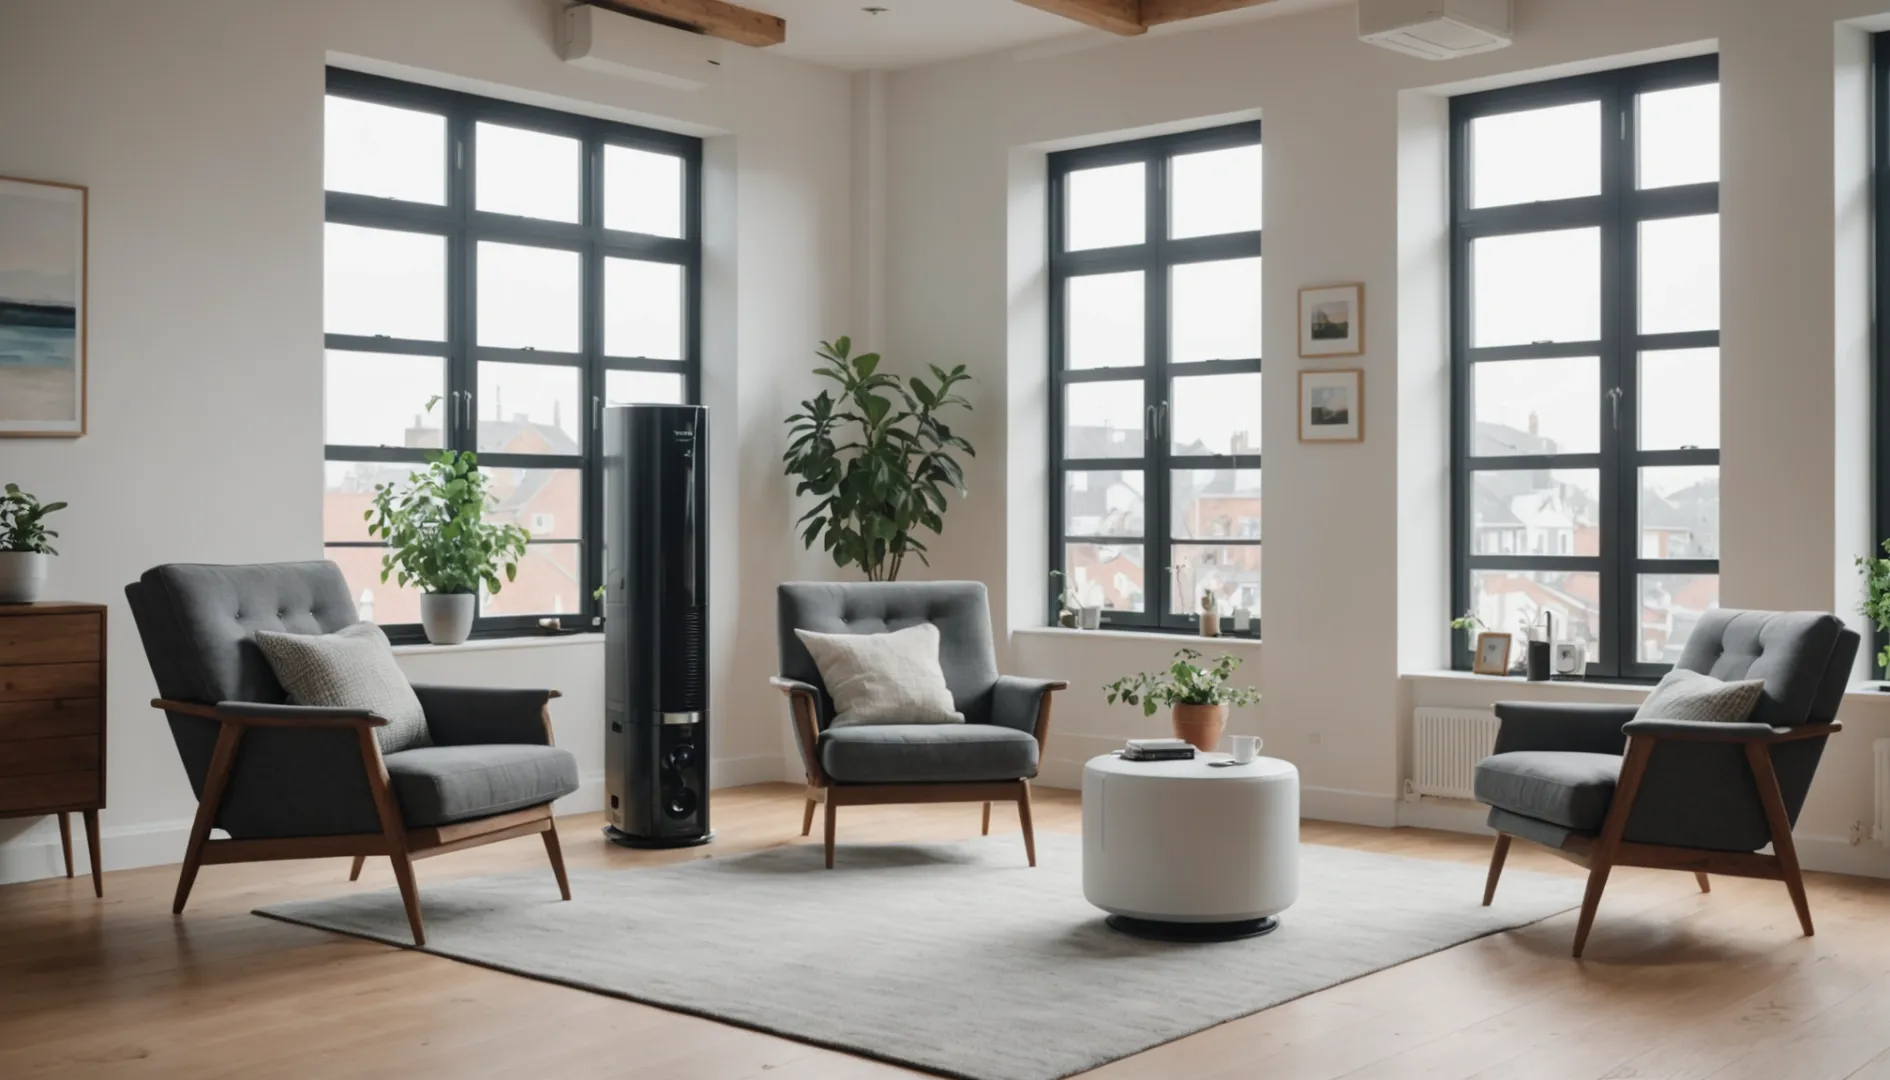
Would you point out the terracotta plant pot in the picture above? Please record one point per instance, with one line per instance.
(1200, 725)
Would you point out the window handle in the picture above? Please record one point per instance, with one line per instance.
(597, 413)
(1614, 405)
(1161, 419)
(1153, 432)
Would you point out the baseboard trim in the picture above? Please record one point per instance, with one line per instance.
(1348, 807)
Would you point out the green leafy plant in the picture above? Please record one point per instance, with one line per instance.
(1467, 621)
(1876, 571)
(436, 532)
(1183, 682)
(22, 522)
(879, 459)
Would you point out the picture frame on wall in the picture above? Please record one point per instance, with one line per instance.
(1492, 655)
(42, 308)
(1332, 321)
(1332, 406)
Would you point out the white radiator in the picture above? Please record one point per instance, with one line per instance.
(1447, 744)
(1880, 791)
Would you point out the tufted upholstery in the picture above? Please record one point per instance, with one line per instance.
(1791, 650)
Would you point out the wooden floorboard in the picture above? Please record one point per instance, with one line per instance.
(1675, 984)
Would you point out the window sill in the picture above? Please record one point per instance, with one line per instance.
(1167, 638)
(536, 641)
(1554, 686)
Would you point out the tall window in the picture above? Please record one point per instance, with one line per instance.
(496, 275)
(1155, 361)
(1585, 298)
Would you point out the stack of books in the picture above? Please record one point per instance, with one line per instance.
(1158, 750)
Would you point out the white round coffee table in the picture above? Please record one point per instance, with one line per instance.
(1191, 850)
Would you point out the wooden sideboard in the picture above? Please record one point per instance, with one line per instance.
(52, 718)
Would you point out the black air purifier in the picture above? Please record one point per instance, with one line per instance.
(656, 628)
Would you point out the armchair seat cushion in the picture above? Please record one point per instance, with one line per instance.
(927, 753)
(437, 785)
(1564, 788)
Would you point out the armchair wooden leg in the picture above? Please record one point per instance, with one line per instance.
(1706, 884)
(1496, 867)
(394, 829)
(91, 849)
(1760, 757)
(354, 873)
(986, 831)
(831, 807)
(1601, 860)
(807, 817)
(556, 854)
(221, 761)
(65, 839)
(409, 894)
(1023, 818)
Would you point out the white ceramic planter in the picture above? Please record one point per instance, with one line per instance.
(22, 576)
(447, 617)
(1089, 617)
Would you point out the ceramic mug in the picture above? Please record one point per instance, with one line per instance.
(1246, 748)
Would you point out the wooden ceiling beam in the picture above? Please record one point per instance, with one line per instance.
(716, 18)
(1157, 12)
(1116, 16)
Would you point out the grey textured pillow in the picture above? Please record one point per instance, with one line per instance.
(883, 678)
(1689, 695)
(352, 668)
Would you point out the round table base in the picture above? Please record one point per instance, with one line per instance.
(1192, 931)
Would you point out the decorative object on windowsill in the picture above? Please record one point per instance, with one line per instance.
(1876, 571)
(1075, 612)
(42, 308)
(1198, 697)
(1332, 406)
(878, 458)
(438, 539)
(1539, 637)
(1332, 321)
(1571, 659)
(1243, 620)
(1210, 618)
(1089, 617)
(1492, 655)
(25, 545)
(1066, 604)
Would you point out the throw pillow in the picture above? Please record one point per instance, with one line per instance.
(352, 668)
(883, 678)
(1689, 695)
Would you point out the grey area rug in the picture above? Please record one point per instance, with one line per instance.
(953, 958)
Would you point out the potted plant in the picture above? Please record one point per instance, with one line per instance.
(25, 545)
(438, 538)
(1876, 571)
(1197, 696)
(879, 459)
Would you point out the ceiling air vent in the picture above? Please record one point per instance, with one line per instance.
(1436, 29)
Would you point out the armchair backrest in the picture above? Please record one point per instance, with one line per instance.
(1805, 658)
(960, 609)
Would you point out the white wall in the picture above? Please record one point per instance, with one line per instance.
(1356, 543)
(197, 125)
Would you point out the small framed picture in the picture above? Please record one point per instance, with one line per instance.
(1332, 321)
(1332, 406)
(1492, 654)
(42, 308)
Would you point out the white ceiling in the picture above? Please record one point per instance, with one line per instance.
(837, 33)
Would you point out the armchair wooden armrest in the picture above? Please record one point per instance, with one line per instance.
(804, 707)
(1713, 731)
(257, 714)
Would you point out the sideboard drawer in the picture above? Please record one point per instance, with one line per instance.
(51, 719)
(39, 682)
(37, 757)
(51, 790)
(51, 639)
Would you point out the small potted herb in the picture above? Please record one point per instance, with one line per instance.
(25, 545)
(1197, 696)
(438, 538)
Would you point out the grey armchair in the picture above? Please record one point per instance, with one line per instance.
(991, 757)
(298, 782)
(1603, 789)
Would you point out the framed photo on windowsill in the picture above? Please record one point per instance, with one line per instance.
(1332, 406)
(1492, 656)
(1332, 321)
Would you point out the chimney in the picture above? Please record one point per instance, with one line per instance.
(1535, 423)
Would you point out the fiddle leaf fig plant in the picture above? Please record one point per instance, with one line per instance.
(436, 532)
(22, 523)
(1185, 682)
(879, 457)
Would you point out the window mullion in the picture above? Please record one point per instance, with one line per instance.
(1620, 627)
(1158, 577)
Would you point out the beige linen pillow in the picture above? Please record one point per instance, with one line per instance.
(1689, 695)
(883, 678)
(352, 668)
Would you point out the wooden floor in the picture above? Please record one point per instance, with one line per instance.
(1675, 983)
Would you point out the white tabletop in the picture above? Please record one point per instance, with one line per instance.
(1195, 768)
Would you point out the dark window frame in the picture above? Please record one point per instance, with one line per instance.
(1155, 257)
(463, 228)
(1880, 334)
(1618, 211)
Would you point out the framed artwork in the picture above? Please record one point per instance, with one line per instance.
(1332, 406)
(42, 308)
(1492, 654)
(1332, 321)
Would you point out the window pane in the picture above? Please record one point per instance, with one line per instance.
(348, 493)
(1215, 414)
(1536, 155)
(383, 283)
(1536, 406)
(1679, 402)
(1537, 287)
(528, 173)
(642, 388)
(643, 191)
(382, 399)
(547, 584)
(1680, 136)
(1103, 419)
(1105, 321)
(548, 503)
(529, 409)
(1217, 191)
(1680, 274)
(1106, 207)
(1508, 601)
(528, 297)
(380, 150)
(1103, 502)
(376, 601)
(1231, 573)
(1109, 574)
(1680, 512)
(643, 309)
(1536, 512)
(1671, 606)
(1215, 503)
(1215, 311)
